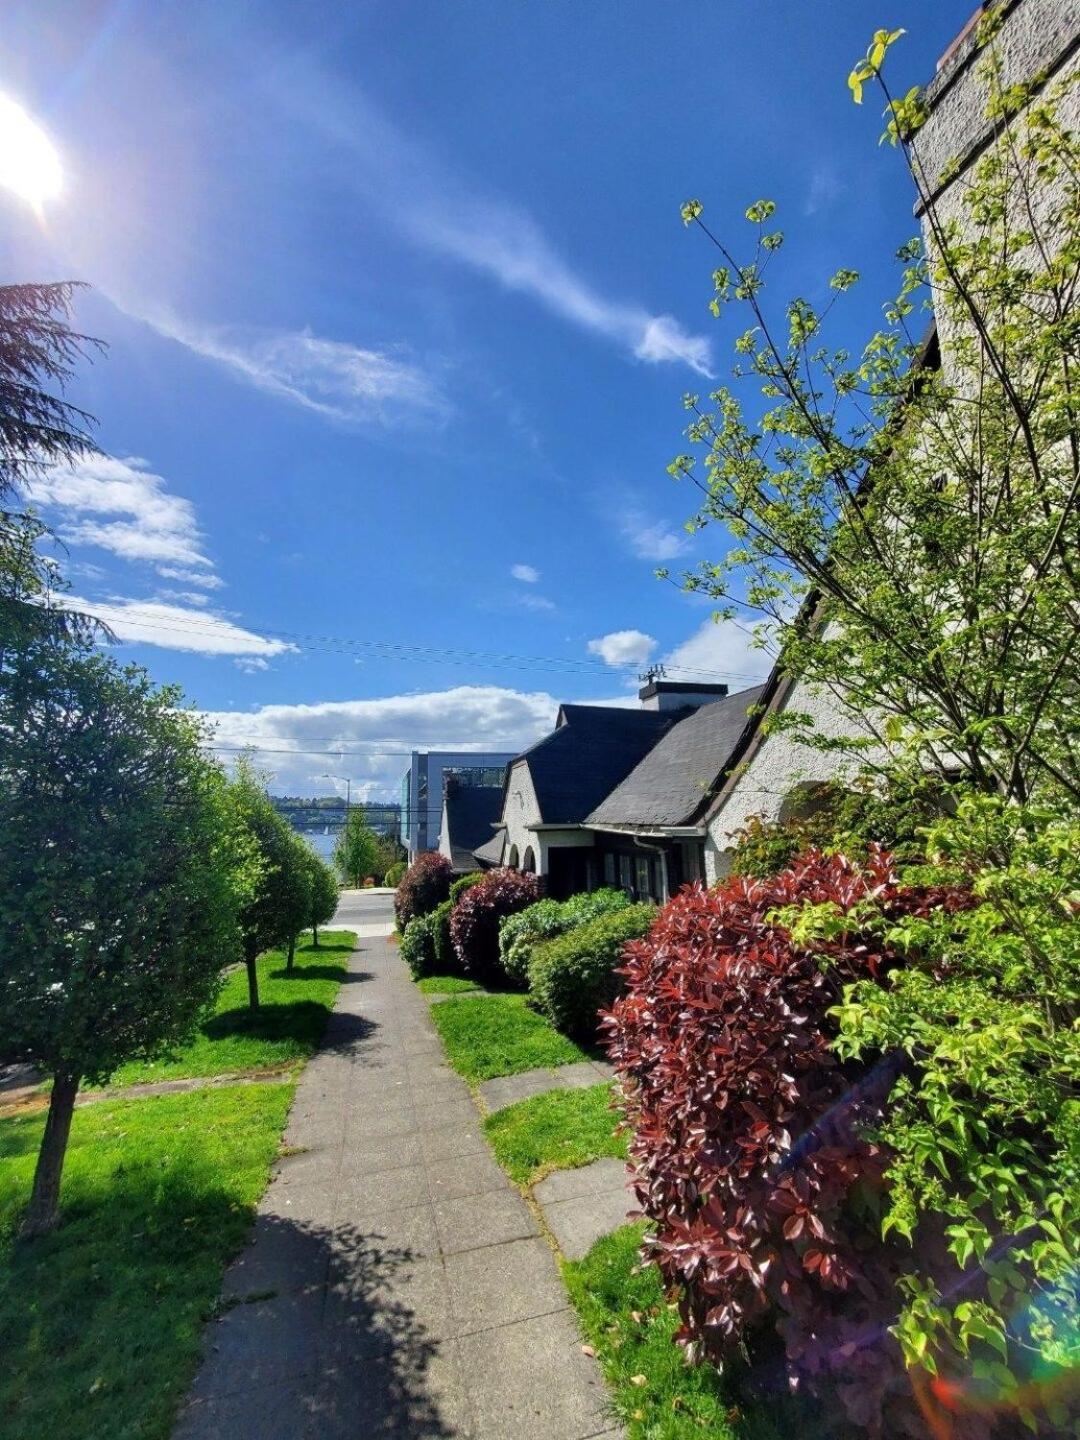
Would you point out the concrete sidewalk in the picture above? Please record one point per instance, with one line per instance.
(396, 1284)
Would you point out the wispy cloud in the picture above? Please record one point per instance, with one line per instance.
(527, 574)
(623, 647)
(538, 603)
(172, 627)
(333, 378)
(719, 650)
(652, 539)
(120, 505)
(202, 578)
(444, 212)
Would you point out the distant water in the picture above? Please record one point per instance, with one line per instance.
(323, 845)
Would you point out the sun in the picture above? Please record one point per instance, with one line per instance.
(29, 163)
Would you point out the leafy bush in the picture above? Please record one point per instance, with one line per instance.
(463, 883)
(425, 884)
(445, 954)
(573, 976)
(418, 946)
(393, 877)
(519, 934)
(752, 1142)
(474, 920)
(984, 1130)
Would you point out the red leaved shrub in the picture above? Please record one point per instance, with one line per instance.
(425, 884)
(474, 920)
(750, 1136)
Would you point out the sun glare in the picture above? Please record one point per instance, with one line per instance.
(29, 164)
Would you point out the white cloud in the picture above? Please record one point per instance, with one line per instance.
(352, 737)
(151, 622)
(539, 603)
(441, 212)
(150, 523)
(192, 577)
(188, 597)
(623, 647)
(251, 663)
(651, 539)
(528, 574)
(718, 650)
(334, 378)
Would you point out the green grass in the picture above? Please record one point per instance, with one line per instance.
(490, 1035)
(627, 1320)
(100, 1321)
(445, 985)
(293, 1008)
(556, 1131)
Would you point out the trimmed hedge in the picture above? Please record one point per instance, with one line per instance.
(474, 921)
(754, 1146)
(574, 976)
(425, 884)
(520, 934)
(393, 877)
(418, 946)
(445, 954)
(465, 882)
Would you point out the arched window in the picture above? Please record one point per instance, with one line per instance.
(512, 858)
(528, 863)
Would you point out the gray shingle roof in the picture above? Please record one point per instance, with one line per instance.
(592, 749)
(471, 811)
(490, 853)
(673, 780)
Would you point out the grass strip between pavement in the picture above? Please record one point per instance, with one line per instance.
(446, 985)
(489, 1035)
(101, 1320)
(293, 1010)
(558, 1130)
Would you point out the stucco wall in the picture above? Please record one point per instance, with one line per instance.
(520, 811)
(774, 770)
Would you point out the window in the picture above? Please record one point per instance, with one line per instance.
(609, 869)
(643, 877)
(626, 874)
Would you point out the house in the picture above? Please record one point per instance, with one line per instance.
(771, 775)
(468, 814)
(424, 782)
(618, 796)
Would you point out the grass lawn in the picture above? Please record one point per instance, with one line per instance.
(556, 1131)
(488, 1035)
(288, 1026)
(100, 1321)
(445, 985)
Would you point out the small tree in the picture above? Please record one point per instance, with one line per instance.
(267, 917)
(297, 883)
(357, 851)
(119, 877)
(324, 897)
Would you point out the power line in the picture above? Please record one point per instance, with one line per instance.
(426, 654)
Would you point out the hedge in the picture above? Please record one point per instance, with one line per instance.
(425, 884)
(418, 946)
(445, 954)
(475, 919)
(393, 877)
(463, 883)
(573, 977)
(520, 934)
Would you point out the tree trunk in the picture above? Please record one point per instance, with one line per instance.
(292, 952)
(315, 936)
(253, 981)
(44, 1198)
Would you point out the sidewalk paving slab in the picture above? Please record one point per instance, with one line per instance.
(396, 1284)
(509, 1089)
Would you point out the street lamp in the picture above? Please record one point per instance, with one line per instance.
(348, 792)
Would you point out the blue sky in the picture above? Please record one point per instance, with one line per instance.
(400, 310)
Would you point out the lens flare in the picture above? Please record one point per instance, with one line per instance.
(29, 163)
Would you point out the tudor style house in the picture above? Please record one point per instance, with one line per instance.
(614, 796)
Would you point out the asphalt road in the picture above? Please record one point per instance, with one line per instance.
(361, 908)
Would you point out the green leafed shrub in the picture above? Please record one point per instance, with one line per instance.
(394, 876)
(418, 946)
(520, 934)
(445, 955)
(572, 977)
(465, 882)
